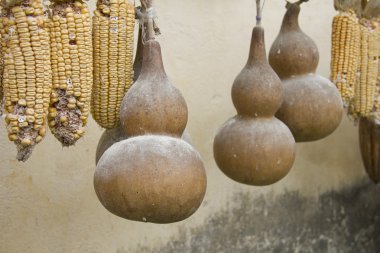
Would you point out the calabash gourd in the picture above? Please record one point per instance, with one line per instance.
(254, 147)
(153, 176)
(369, 138)
(112, 136)
(108, 138)
(312, 106)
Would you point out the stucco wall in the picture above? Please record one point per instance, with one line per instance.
(48, 204)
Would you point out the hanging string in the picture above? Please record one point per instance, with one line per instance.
(147, 17)
(259, 10)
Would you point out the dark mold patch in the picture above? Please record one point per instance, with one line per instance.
(345, 221)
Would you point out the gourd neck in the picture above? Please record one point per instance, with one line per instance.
(290, 22)
(257, 54)
(152, 59)
(139, 56)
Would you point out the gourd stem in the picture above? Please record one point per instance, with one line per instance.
(148, 19)
(297, 3)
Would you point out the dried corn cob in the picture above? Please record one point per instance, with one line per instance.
(113, 32)
(345, 53)
(376, 107)
(26, 77)
(71, 63)
(369, 67)
(1, 76)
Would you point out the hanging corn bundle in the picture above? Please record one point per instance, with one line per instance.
(345, 50)
(71, 62)
(113, 38)
(376, 106)
(365, 90)
(27, 74)
(1, 74)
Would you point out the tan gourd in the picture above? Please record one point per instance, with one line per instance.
(108, 138)
(312, 106)
(254, 147)
(369, 138)
(153, 104)
(153, 176)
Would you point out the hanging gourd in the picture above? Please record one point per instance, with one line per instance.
(108, 138)
(111, 136)
(312, 106)
(153, 176)
(369, 138)
(254, 147)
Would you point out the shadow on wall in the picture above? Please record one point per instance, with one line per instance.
(344, 221)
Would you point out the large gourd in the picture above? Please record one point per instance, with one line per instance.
(312, 106)
(254, 147)
(369, 138)
(153, 176)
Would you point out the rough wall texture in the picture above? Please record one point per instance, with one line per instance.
(337, 221)
(48, 205)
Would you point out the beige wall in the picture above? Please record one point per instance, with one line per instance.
(48, 204)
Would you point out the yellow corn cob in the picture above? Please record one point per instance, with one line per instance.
(71, 64)
(376, 106)
(1, 76)
(365, 94)
(345, 53)
(26, 77)
(113, 32)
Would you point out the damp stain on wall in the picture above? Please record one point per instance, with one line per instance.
(338, 221)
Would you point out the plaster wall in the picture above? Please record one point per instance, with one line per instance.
(48, 204)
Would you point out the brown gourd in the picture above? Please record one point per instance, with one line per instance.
(153, 176)
(369, 139)
(108, 138)
(254, 147)
(312, 106)
(112, 136)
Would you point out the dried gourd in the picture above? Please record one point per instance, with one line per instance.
(254, 147)
(153, 176)
(369, 136)
(27, 75)
(71, 63)
(312, 106)
(108, 138)
(113, 38)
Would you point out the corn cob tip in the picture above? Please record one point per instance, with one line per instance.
(24, 152)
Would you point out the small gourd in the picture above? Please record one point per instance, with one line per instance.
(254, 147)
(108, 138)
(369, 139)
(312, 106)
(153, 176)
